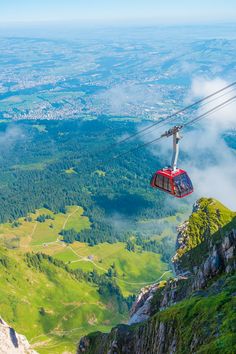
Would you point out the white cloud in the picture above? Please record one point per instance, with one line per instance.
(220, 120)
(119, 222)
(10, 136)
(210, 163)
(127, 99)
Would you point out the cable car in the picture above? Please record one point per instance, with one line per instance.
(173, 180)
(175, 183)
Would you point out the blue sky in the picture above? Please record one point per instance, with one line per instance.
(109, 11)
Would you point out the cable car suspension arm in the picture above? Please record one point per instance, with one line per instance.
(176, 138)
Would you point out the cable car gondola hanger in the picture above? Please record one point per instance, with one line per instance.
(171, 179)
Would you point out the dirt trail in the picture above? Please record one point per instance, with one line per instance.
(68, 217)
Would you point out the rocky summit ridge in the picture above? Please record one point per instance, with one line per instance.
(195, 312)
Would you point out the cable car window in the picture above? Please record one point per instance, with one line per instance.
(163, 183)
(182, 185)
(159, 181)
(167, 184)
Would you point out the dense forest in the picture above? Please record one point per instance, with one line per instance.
(57, 163)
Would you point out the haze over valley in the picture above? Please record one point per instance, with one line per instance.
(81, 230)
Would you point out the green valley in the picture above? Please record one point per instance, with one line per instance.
(117, 236)
(132, 269)
(78, 238)
(50, 306)
(63, 308)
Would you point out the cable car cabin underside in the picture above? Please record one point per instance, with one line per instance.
(176, 183)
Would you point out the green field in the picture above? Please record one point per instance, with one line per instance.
(100, 173)
(70, 171)
(70, 308)
(51, 308)
(134, 269)
(40, 127)
(33, 233)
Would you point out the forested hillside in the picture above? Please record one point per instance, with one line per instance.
(78, 237)
(54, 164)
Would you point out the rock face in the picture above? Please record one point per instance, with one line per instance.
(221, 258)
(173, 317)
(11, 342)
(142, 307)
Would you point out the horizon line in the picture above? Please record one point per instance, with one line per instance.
(127, 22)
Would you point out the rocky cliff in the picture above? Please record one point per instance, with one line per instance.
(194, 312)
(12, 342)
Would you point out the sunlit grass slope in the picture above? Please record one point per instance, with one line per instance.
(51, 307)
(211, 219)
(134, 269)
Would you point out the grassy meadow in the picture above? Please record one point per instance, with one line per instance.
(134, 269)
(51, 308)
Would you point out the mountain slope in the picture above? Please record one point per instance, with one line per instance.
(194, 312)
(47, 302)
(54, 292)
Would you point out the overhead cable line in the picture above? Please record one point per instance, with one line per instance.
(212, 110)
(176, 113)
(205, 104)
(166, 120)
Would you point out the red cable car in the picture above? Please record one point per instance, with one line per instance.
(173, 180)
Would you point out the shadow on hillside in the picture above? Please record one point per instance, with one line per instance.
(126, 204)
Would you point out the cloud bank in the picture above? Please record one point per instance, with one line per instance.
(131, 99)
(9, 137)
(210, 162)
